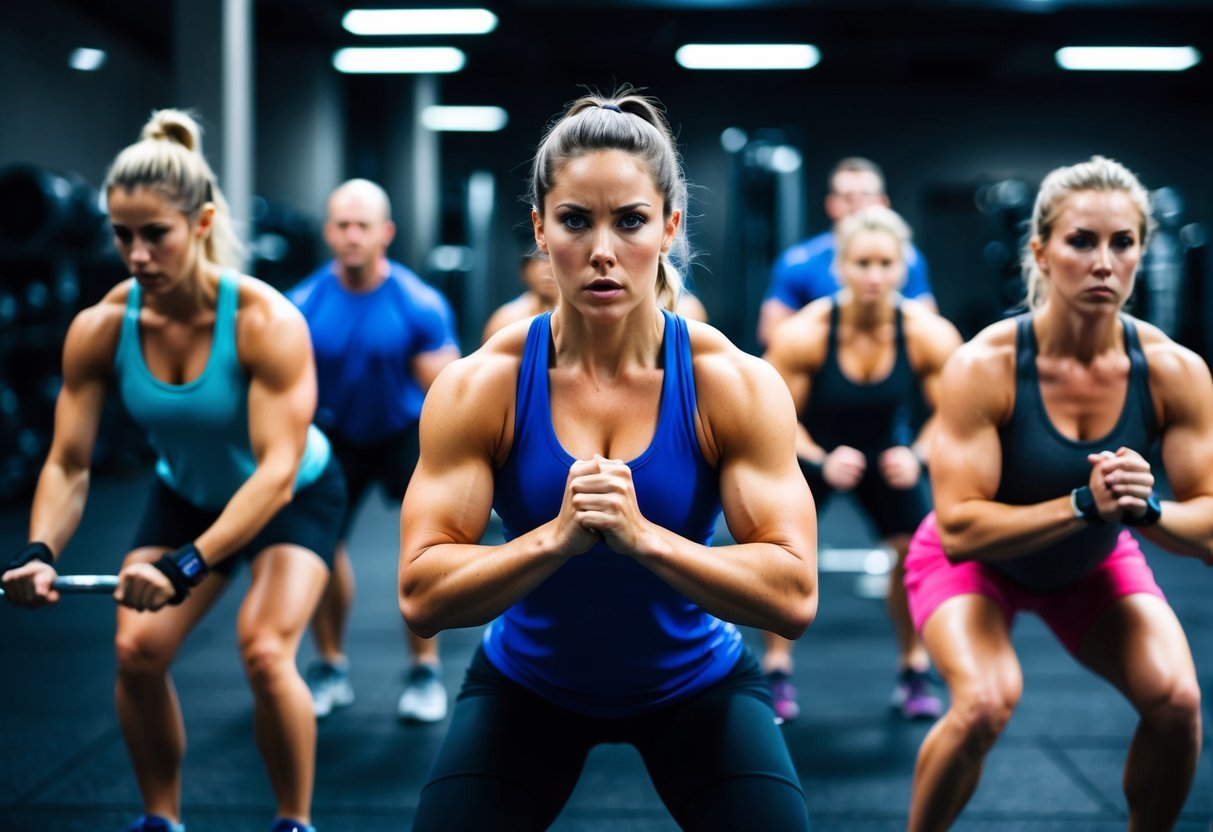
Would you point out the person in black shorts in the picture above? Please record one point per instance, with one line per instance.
(381, 335)
(854, 362)
(216, 367)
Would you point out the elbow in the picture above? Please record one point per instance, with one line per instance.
(799, 616)
(952, 540)
(416, 619)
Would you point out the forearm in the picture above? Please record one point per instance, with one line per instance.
(983, 530)
(451, 585)
(1185, 528)
(266, 492)
(762, 585)
(58, 505)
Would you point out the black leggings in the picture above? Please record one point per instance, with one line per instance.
(511, 759)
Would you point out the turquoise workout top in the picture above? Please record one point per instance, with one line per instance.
(199, 430)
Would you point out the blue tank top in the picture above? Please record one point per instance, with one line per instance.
(870, 417)
(199, 430)
(1039, 463)
(602, 635)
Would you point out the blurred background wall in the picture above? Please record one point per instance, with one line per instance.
(960, 101)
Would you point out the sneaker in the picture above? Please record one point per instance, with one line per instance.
(784, 695)
(330, 686)
(913, 697)
(424, 697)
(155, 823)
(288, 825)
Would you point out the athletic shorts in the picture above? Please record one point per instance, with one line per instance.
(511, 759)
(312, 520)
(894, 511)
(1069, 612)
(389, 463)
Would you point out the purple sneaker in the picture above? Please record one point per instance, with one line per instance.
(784, 695)
(913, 697)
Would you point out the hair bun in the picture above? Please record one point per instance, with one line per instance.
(173, 126)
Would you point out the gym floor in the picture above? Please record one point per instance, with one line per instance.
(63, 765)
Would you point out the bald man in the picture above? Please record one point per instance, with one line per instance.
(381, 336)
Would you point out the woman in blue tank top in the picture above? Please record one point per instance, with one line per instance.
(855, 363)
(608, 434)
(216, 367)
(1038, 464)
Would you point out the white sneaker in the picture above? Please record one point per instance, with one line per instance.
(330, 686)
(424, 697)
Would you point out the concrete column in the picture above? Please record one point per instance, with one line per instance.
(213, 64)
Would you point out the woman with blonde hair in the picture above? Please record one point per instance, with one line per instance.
(216, 367)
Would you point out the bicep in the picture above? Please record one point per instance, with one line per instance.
(966, 452)
(282, 390)
(1187, 441)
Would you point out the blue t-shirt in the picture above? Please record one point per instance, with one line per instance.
(365, 343)
(603, 635)
(805, 272)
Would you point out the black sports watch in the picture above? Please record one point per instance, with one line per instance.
(1083, 503)
(1151, 516)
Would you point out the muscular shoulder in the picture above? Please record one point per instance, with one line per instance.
(930, 337)
(92, 338)
(732, 388)
(979, 377)
(270, 330)
(1179, 378)
(472, 399)
(801, 342)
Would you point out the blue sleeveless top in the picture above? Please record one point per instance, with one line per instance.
(870, 417)
(199, 430)
(1039, 463)
(603, 635)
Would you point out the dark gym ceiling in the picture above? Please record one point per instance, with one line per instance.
(923, 41)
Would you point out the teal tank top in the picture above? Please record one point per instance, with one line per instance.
(199, 430)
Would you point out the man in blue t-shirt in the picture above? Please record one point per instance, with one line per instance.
(381, 335)
(806, 271)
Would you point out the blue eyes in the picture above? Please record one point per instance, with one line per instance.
(579, 222)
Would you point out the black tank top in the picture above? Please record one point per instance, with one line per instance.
(1039, 463)
(868, 417)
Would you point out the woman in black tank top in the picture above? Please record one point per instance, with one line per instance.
(855, 363)
(1039, 461)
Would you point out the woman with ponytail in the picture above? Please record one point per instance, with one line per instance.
(216, 366)
(608, 434)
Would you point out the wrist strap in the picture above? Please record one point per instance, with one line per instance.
(1083, 503)
(34, 550)
(184, 568)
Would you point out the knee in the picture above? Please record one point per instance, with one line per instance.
(983, 713)
(141, 655)
(1175, 708)
(266, 658)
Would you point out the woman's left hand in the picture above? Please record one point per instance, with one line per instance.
(900, 467)
(1128, 477)
(605, 502)
(143, 587)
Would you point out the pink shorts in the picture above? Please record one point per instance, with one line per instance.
(932, 579)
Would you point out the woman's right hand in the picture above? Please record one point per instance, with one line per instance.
(843, 468)
(571, 537)
(30, 585)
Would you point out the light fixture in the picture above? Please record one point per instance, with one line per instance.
(419, 59)
(419, 21)
(747, 56)
(468, 119)
(1140, 58)
(86, 59)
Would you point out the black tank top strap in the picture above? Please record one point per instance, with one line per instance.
(1025, 349)
(1139, 374)
(832, 339)
(902, 358)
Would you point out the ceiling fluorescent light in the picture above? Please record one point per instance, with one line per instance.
(86, 59)
(468, 119)
(419, 21)
(1144, 58)
(417, 59)
(748, 56)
